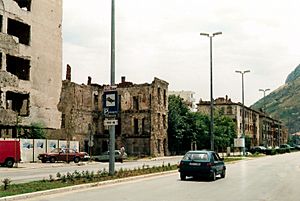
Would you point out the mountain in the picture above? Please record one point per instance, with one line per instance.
(284, 102)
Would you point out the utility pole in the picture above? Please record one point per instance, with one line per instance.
(112, 82)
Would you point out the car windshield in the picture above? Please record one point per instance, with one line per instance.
(196, 156)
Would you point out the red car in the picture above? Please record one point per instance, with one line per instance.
(65, 154)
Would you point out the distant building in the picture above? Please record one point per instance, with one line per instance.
(187, 96)
(143, 116)
(30, 64)
(262, 129)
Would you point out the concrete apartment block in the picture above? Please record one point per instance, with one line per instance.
(30, 64)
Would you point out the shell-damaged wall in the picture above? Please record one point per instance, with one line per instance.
(30, 63)
(142, 119)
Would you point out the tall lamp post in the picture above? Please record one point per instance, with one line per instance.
(112, 82)
(264, 101)
(243, 107)
(211, 90)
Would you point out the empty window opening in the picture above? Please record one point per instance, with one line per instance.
(136, 103)
(18, 103)
(136, 126)
(158, 95)
(164, 121)
(143, 125)
(63, 120)
(1, 18)
(96, 98)
(165, 97)
(0, 60)
(18, 66)
(24, 4)
(20, 30)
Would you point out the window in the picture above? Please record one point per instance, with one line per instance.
(136, 103)
(136, 126)
(143, 125)
(120, 100)
(229, 110)
(0, 60)
(96, 97)
(19, 30)
(63, 120)
(24, 4)
(164, 121)
(158, 121)
(158, 95)
(18, 102)
(18, 66)
(1, 22)
(165, 97)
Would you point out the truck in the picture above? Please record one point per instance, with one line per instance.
(9, 152)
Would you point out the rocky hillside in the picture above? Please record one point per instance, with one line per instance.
(284, 102)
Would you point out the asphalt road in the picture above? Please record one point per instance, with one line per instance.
(271, 178)
(33, 172)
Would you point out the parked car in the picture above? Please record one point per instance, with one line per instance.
(105, 156)
(258, 149)
(297, 146)
(202, 164)
(9, 152)
(65, 154)
(286, 146)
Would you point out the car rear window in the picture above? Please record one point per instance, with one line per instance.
(196, 156)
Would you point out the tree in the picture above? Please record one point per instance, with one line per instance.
(176, 122)
(36, 131)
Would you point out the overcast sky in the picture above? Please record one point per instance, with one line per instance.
(160, 38)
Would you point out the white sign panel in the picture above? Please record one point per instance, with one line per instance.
(110, 122)
(39, 148)
(239, 142)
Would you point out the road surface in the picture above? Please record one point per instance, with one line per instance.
(271, 178)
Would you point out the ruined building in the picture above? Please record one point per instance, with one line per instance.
(259, 127)
(30, 64)
(142, 118)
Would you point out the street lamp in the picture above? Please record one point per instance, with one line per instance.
(243, 106)
(264, 101)
(211, 89)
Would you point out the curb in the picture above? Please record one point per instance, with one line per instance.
(83, 186)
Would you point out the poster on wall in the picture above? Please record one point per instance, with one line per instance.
(62, 144)
(51, 144)
(26, 150)
(74, 145)
(39, 148)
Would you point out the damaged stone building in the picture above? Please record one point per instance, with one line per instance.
(142, 119)
(259, 127)
(30, 64)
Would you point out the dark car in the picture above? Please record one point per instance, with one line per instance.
(65, 154)
(202, 164)
(258, 149)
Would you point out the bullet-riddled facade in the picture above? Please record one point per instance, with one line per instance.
(142, 118)
(30, 64)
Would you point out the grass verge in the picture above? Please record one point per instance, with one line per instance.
(76, 178)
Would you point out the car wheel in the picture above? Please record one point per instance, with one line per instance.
(182, 176)
(76, 160)
(213, 176)
(223, 174)
(9, 162)
(52, 160)
(44, 160)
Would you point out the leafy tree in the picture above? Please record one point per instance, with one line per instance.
(36, 131)
(176, 122)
